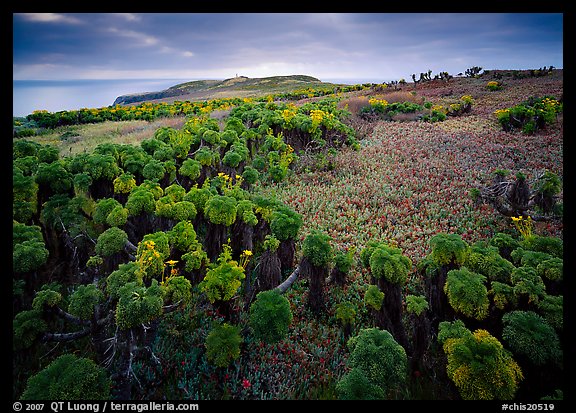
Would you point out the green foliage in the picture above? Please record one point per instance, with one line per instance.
(221, 209)
(448, 248)
(552, 308)
(552, 269)
(223, 345)
(488, 262)
(102, 167)
(46, 298)
(450, 330)
(191, 168)
(151, 253)
(154, 170)
(111, 241)
(24, 196)
(504, 242)
(530, 115)
(478, 364)
(389, 263)
(232, 158)
(83, 301)
(354, 385)
(54, 176)
(117, 217)
(246, 213)
(28, 250)
(82, 182)
(529, 334)
(126, 273)
(526, 282)
(103, 208)
(416, 304)
(195, 258)
(69, 377)
(138, 304)
(373, 297)
(250, 175)
(223, 278)
(285, 223)
(345, 313)
(124, 183)
(199, 197)
(317, 248)
(206, 157)
(140, 201)
(548, 184)
(344, 261)
(270, 316)
(502, 295)
(379, 357)
(27, 327)
(549, 245)
(467, 293)
(177, 290)
(182, 236)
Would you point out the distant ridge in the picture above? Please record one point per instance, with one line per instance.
(239, 86)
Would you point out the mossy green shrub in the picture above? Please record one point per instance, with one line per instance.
(270, 316)
(375, 354)
(528, 334)
(478, 364)
(69, 377)
(223, 345)
(467, 293)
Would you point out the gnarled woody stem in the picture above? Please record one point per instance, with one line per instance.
(282, 288)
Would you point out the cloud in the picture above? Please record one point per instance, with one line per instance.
(49, 18)
(131, 17)
(141, 38)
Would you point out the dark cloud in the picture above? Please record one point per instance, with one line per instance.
(326, 45)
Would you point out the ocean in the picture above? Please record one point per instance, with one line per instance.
(57, 95)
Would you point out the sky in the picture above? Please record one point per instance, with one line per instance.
(386, 46)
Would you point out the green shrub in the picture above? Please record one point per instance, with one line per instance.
(478, 364)
(69, 377)
(270, 316)
(467, 293)
(223, 345)
(379, 357)
(529, 334)
(317, 248)
(111, 241)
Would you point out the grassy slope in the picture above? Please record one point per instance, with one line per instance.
(234, 87)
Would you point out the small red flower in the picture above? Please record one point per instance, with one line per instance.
(246, 383)
(183, 363)
(417, 373)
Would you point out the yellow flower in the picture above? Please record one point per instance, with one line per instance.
(247, 253)
(171, 262)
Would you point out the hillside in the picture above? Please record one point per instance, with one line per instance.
(257, 250)
(239, 86)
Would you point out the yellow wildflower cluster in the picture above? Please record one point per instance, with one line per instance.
(499, 112)
(439, 108)
(245, 258)
(317, 116)
(229, 182)
(523, 225)
(288, 114)
(375, 102)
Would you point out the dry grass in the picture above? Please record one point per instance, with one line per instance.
(354, 104)
(71, 140)
(398, 96)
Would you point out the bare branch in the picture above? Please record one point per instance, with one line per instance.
(282, 288)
